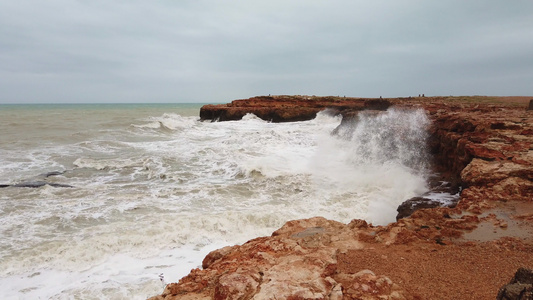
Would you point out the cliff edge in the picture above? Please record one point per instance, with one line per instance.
(484, 144)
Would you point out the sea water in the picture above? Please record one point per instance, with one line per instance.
(154, 189)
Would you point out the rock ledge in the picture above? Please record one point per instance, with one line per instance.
(484, 144)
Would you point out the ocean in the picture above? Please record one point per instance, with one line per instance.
(99, 201)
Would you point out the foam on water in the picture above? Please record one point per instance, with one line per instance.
(154, 194)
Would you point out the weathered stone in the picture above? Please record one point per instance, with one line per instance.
(481, 172)
(519, 288)
(486, 149)
(215, 255)
(237, 286)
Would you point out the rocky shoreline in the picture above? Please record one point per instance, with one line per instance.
(484, 145)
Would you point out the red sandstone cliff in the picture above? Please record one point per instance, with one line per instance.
(286, 108)
(466, 252)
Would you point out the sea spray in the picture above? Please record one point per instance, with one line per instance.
(396, 135)
(155, 191)
(377, 159)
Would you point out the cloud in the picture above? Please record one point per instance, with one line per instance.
(205, 51)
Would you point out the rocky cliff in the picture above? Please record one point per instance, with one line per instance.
(287, 108)
(484, 145)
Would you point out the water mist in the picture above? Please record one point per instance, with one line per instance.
(378, 158)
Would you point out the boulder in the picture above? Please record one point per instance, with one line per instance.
(519, 288)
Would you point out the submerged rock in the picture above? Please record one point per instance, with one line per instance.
(53, 173)
(39, 183)
(31, 184)
(408, 207)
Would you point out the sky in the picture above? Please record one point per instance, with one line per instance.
(118, 51)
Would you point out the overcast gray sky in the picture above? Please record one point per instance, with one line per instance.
(216, 51)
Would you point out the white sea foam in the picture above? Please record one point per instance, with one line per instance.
(168, 122)
(155, 193)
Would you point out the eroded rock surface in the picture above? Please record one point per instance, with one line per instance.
(286, 108)
(465, 252)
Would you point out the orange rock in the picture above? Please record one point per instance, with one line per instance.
(485, 147)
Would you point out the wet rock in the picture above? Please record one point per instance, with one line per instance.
(37, 184)
(53, 173)
(444, 192)
(408, 207)
(31, 184)
(60, 185)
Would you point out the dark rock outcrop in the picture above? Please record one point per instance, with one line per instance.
(519, 288)
(53, 173)
(442, 193)
(37, 184)
(408, 207)
(39, 181)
